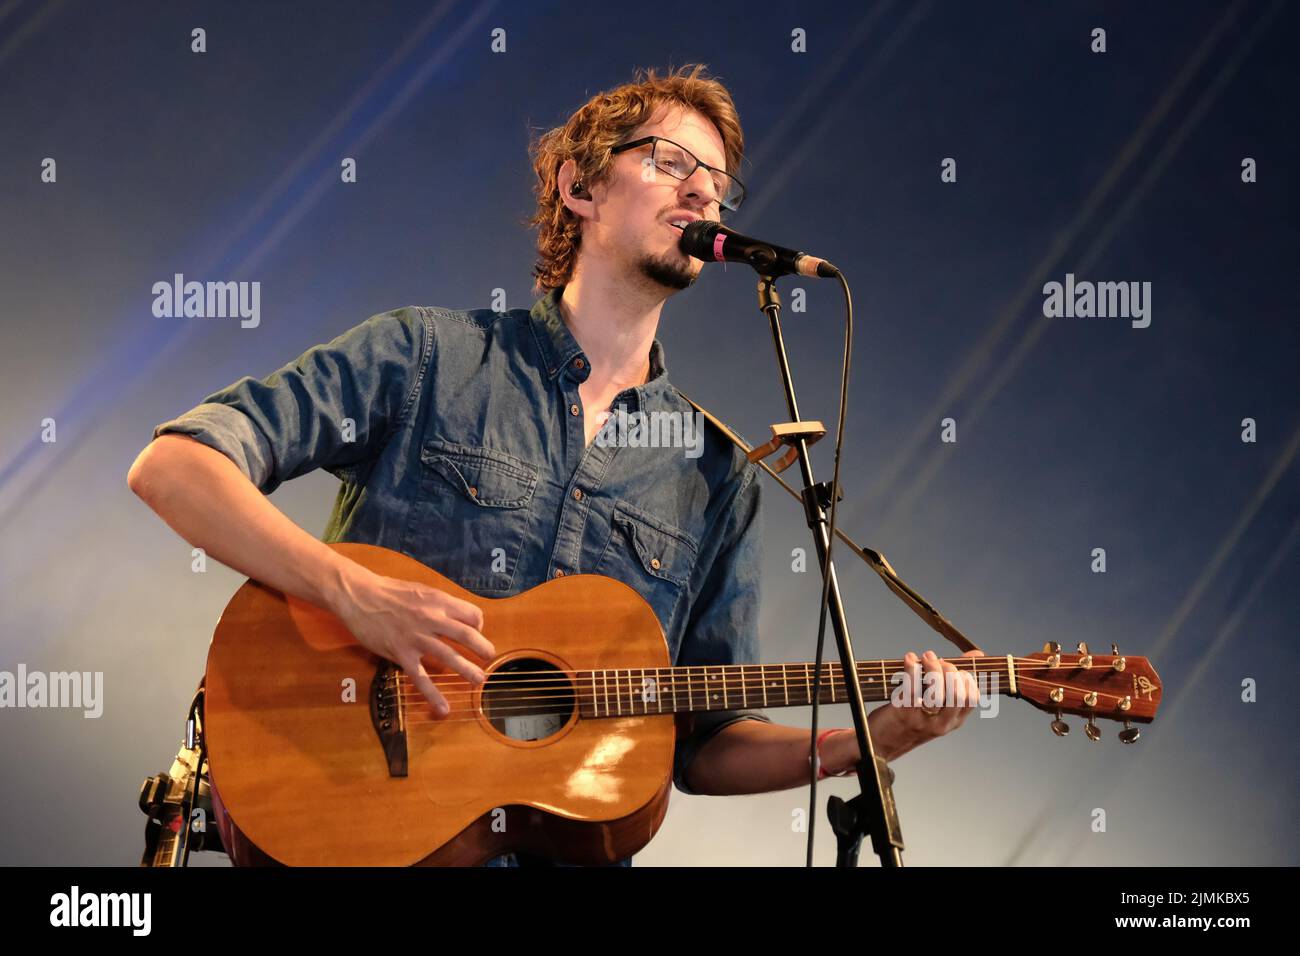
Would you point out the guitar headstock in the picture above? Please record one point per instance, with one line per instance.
(1096, 686)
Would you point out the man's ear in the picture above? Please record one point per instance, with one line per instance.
(572, 192)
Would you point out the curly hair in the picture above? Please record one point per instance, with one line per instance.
(590, 134)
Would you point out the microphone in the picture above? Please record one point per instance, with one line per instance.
(713, 242)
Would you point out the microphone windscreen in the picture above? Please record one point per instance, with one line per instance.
(698, 239)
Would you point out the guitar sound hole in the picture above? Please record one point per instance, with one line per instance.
(528, 699)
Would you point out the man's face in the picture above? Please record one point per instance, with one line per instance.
(640, 200)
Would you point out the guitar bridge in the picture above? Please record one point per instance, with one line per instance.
(389, 716)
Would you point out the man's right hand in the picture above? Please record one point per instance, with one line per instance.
(406, 622)
(210, 502)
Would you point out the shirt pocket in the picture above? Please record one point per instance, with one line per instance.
(472, 514)
(651, 555)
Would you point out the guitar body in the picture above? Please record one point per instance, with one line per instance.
(305, 773)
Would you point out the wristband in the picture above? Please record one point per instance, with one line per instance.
(821, 770)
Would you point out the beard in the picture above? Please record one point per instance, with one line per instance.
(672, 270)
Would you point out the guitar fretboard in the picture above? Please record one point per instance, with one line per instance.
(668, 690)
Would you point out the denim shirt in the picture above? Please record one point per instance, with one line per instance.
(458, 438)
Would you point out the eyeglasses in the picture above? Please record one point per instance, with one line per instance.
(680, 163)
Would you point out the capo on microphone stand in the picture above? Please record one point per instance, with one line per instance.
(788, 434)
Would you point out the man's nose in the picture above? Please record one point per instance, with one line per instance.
(700, 184)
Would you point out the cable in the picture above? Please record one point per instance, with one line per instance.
(826, 567)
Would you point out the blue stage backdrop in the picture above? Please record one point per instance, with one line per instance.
(1038, 474)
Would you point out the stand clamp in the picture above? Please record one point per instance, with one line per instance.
(788, 434)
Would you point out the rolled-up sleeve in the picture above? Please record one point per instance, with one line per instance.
(723, 623)
(332, 407)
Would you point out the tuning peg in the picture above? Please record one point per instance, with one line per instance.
(1051, 647)
(1129, 734)
(1060, 727)
(1118, 663)
(1091, 730)
(1085, 658)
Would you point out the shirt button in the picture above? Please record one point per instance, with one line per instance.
(573, 409)
(559, 572)
(577, 494)
(654, 563)
(578, 363)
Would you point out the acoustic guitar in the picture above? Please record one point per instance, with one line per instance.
(326, 754)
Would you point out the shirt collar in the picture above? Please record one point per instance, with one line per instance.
(560, 351)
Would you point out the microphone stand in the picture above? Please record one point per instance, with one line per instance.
(872, 812)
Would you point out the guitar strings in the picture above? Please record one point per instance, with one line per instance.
(563, 682)
(982, 665)
(998, 663)
(566, 693)
(427, 716)
(684, 676)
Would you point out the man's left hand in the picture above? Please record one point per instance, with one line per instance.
(935, 706)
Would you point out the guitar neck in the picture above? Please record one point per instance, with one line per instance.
(680, 690)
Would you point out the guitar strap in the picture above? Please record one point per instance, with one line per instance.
(874, 559)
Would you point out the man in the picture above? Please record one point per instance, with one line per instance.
(467, 439)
